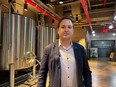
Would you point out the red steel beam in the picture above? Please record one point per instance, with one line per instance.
(41, 10)
(86, 13)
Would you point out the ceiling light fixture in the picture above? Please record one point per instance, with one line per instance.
(60, 2)
(52, 22)
(70, 14)
(76, 18)
(25, 6)
(111, 26)
(93, 32)
(114, 34)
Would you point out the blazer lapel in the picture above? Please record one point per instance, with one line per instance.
(57, 59)
(57, 54)
(76, 53)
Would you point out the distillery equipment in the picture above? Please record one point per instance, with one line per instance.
(17, 41)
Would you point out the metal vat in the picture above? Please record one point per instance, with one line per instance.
(17, 41)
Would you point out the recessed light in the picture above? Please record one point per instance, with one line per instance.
(111, 26)
(60, 2)
(114, 34)
(93, 32)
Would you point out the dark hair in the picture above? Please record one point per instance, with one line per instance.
(63, 18)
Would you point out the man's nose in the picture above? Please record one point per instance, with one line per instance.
(66, 29)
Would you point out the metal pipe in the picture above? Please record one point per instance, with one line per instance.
(41, 41)
(54, 34)
(12, 74)
(18, 37)
(86, 24)
(25, 34)
(13, 8)
(42, 35)
(34, 69)
(0, 23)
(86, 13)
(38, 41)
(33, 36)
(102, 11)
(51, 35)
(89, 4)
(47, 8)
(46, 35)
(13, 39)
(9, 34)
(44, 11)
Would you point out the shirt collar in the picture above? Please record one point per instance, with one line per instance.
(60, 45)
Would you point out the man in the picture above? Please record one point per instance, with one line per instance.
(65, 60)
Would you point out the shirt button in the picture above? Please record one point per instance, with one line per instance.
(68, 76)
(68, 67)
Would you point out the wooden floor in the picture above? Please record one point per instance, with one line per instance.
(103, 74)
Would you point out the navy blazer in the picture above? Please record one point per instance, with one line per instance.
(51, 63)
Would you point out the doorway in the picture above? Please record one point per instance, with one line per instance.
(105, 47)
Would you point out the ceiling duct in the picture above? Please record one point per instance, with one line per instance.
(43, 9)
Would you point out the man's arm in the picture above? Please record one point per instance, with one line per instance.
(86, 71)
(43, 69)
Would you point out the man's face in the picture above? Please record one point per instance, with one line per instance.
(65, 29)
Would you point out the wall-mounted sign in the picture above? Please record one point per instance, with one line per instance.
(102, 43)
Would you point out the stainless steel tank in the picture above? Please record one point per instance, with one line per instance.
(46, 36)
(18, 42)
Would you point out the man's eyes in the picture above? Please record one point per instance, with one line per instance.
(67, 27)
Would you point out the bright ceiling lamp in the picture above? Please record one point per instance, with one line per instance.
(60, 2)
(93, 32)
(76, 18)
(111, 26)
(25, 6)
(114, 34)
